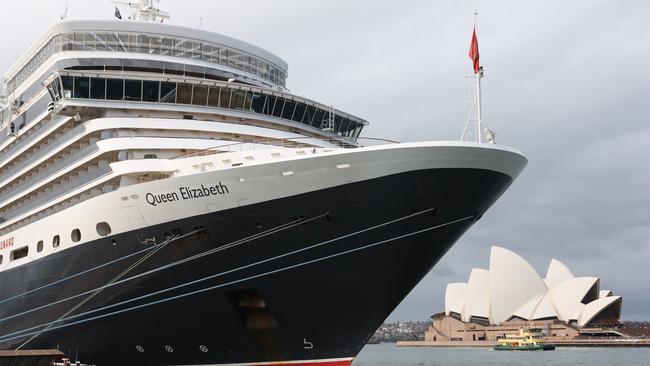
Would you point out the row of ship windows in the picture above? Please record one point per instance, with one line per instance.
(150, 44)
(81, 87)
(103, 229)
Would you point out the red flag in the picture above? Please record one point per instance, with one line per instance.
(473, 52)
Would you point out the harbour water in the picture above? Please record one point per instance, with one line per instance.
(391, 355)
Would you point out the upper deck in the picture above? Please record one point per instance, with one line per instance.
(151, 39)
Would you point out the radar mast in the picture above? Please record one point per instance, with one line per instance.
(144, 10)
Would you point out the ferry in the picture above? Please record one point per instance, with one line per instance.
(528, 339)
(166, 199)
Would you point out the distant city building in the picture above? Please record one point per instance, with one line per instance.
(510, 294)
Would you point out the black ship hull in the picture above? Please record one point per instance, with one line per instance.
(303, 278)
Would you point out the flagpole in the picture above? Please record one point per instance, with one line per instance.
(479, 120)
(478, 75)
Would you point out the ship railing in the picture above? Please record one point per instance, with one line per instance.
(294, 142)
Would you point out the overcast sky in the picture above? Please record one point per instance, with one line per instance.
(566, 83)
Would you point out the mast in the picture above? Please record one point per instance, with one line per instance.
(479, 120)
(144, 10)
(476, 113)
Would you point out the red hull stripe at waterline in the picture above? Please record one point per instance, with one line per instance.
(325, 362)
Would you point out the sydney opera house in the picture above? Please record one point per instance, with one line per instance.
(497, 301)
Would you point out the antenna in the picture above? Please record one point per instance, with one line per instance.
(65, 11)
(144, 10)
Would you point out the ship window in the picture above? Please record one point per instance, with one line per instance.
(67, 86)
(195, 71)
(75, 235)
(309, 115)
(39, 246)
(115, 89)
(300, 112)
(289, 106)
(78, 41)
(50, 90)
(103, 228)
(56, 89)
(318, 118)
(345, 127)
(213, 98)
(279, 104)
(1, 258)
(352, 128)
(224, 99)
(270, 102)
(248, 99)
(184, 94)
(200, 96)
(237, 101)
(133, 90)
(81, 87)
(357, 131)
(145, 43)
(257, 102)
(56, 240)
(167, 92)
(338, 123)
(19, 253)
(173, 68)
(98, 88)
(155, 42)
(150, 90)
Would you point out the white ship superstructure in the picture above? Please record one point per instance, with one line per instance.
(147, 168)
(124, 101)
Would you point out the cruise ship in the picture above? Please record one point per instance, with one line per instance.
(166, 200)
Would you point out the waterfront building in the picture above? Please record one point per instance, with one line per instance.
(511, 294)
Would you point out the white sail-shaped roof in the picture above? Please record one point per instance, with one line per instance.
(482, 308)
(511, 288)
(513, 282)
(478, 288)
(595, 307)
(455, 297)
(545, 309)
(604, 293)
(557, 273)
(567, 297)
(526, 310)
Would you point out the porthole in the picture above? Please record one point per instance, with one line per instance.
(56, 240)
(103, 229)
(75, 235)
(19, 253)
(39, 246)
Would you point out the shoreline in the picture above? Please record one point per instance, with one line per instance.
(560, 343)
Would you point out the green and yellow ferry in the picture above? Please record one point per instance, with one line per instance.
(528, 339)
